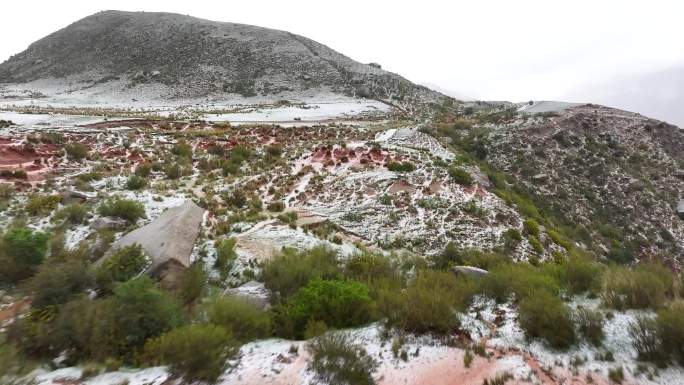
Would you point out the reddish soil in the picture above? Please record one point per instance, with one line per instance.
(14, 309)
(401, 186)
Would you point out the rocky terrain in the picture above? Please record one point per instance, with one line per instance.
(611, 177)
(344, 228)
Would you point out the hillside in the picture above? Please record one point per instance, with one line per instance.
(252, 218)
(190, 57)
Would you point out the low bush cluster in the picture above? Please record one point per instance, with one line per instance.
(126, 209)
(21, 252)
(136, 182)
(338, 360)
(42, 204)
(225, 256)
(429, 304)
(460, 176)
(286, 273)
(74, 214)
(196, 352)
(645, 286)
(335, 303)
(122, 265)
(544, 315)
(401, 166)
(245, 319)
(76, 151)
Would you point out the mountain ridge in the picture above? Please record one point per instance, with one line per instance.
(196, 57)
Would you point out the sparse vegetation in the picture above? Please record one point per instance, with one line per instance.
(195, 352)
(76, 151)
(401, 166)
(242, 317)
(460, 176)
(338, 360)
(225, 255)
(21, 251)
(545, 316)
(126, 209)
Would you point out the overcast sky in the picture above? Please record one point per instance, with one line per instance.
(496, 50)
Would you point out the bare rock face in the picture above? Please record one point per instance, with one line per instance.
(195, 57)
(167, 240)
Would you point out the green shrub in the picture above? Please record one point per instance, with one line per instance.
(520, 279)
(52, 137)
(173, 171)
(124, 264)
(429, 304)
(460, 176)
(143, 170)
(274, 151)
(536, 244)
(239, 154)
(288, 272)
(126, 209)
(75, 214)
(670, 323)
(646, 339)
(135, 182)
(21, 251)
(559, 239)
(225, 255)
(544, 315)
(242, 317)
(144, 311)
(58, 282)
(89, 176)
(194, 352)
(511, 239)
(289, 218)
(117, 326)
(315, 329)
(531, 227)
(579, 274)
(338, 303)
(645, 286)
(401, 166)
(276, 207)
(454, 255)
(336, 359)
(42, 204)
(76, 151)
(182, 149)
(468, 358)
(369, 267)
(590, 325)
(617, 375)
(13, 174)
(13, 364)
(192, 283)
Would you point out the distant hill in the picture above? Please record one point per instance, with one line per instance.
(659, 94)
(191, 57)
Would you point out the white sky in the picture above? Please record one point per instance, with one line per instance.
(496, 50)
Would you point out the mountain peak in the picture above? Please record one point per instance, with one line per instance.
(190, 57)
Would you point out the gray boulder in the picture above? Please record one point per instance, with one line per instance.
(167, 240)
(680, 209)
